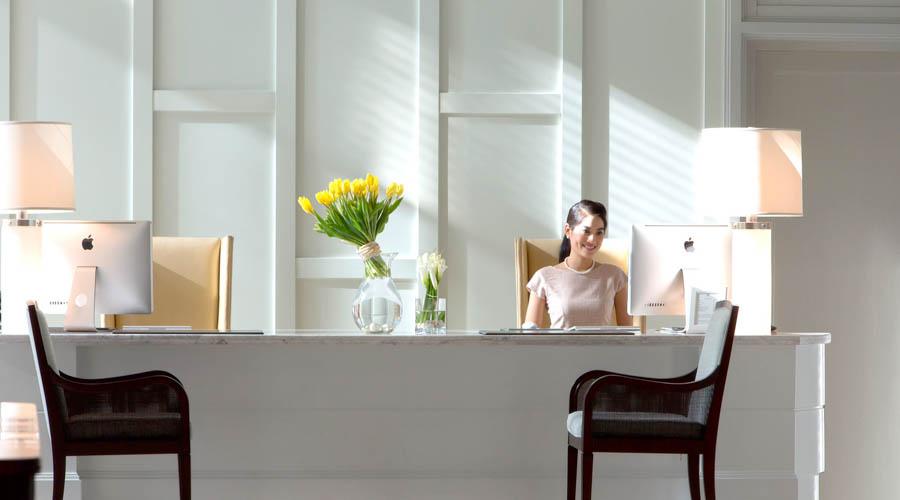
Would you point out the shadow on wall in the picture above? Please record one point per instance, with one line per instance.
(357, 105)
(651, 156)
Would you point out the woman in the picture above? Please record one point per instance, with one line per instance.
(579, 291)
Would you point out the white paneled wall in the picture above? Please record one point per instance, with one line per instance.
(498, 172)
(213, 176)
(214, 44)
(356, 113)
(213, 124)
(368, 100)
(70, 61)
(655, 109)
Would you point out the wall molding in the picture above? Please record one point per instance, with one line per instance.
(320, 268)
(142, 110)
(5, 68)
(509, 104)
(754, 45)
(429, 126)
(742, 38)
(570, 133)
(70, 476)
(215, 101)
(724, 475)
(284, 284)
(756, 10)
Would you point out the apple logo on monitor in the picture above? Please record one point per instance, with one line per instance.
(87, 243)
(689, 245)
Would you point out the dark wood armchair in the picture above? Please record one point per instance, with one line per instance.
(143, 413)
(630, 414)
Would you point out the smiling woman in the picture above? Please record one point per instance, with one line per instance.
(579, 291)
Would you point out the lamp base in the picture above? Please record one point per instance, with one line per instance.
(751, 279)
(20, 272)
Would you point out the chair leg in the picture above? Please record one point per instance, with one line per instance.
(184, 476)
(571, 472)
(59, 476)
(587, 463)
(709, 474)
(694, 475)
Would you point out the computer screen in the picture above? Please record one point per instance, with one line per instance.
(664, 257)
(121, 253)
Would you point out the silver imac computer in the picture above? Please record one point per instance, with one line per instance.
(96, 267)
(679, 270)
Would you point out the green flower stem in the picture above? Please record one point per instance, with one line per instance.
(429, 302)
(376, 267)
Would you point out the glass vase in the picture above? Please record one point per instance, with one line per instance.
(431, 315)
(377, 307)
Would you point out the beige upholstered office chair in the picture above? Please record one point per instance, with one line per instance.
(191, 285)
(532, 255)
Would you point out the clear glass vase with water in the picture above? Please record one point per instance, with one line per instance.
(377, 307)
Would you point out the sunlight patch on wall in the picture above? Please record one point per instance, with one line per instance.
(651, 156)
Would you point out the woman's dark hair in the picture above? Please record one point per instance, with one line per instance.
(576, 214)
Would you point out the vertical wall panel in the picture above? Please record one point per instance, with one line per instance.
(357, 112)
(357, 108)
(214, 44)
(70, 61)
(498, 173)
(655, 91)
(501, 45)
(213, 176)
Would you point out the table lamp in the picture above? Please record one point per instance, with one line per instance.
(19, 450)
(745, 173)
(36, 176)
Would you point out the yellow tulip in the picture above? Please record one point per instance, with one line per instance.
(372, 183)
(345, 186)
(305, 204)
(391, 189)
(334, 187)
(325, 198)
(358, 187)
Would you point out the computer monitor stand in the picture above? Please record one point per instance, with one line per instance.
(80, 309)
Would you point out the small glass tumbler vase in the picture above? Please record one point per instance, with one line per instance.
(431, 316)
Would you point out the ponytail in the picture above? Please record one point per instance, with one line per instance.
(565, 248)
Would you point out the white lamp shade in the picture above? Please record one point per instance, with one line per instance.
(37, 173)
(750, 171)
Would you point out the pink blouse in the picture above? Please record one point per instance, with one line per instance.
(579, 299)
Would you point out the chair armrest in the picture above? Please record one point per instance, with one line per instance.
(595, 374)
(120, 378)
(127, 383)
(587, 398)
(125, 393)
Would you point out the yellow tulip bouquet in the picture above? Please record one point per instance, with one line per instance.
(355, 212)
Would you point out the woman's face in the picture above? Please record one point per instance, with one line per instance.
(586, 236)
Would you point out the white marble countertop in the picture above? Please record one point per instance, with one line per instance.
(408, 338)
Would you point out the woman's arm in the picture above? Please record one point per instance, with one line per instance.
(621, 303)
(535, 311)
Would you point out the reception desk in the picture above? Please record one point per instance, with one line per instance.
(341, 415)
